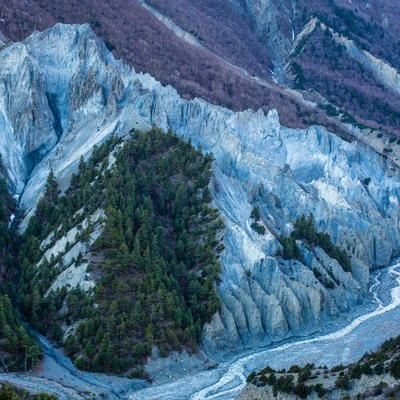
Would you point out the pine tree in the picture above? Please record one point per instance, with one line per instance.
(51, 189)
(104, 358)
(255, 213)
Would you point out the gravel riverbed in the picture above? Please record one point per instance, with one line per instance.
(342, 342)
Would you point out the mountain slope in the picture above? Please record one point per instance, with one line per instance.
(144, 42)
(143, 239)
(325, 59)
(230, 52)
(352, 191)
(347, 74)
(375, 375)
(18, 351)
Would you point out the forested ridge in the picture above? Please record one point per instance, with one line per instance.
(155, 262)
(8, 241)
(324, 65)
(18, 351)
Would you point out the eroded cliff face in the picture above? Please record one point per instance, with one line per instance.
(54, 85)
(62, 93)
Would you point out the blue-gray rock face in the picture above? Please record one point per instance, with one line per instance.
(62, 93)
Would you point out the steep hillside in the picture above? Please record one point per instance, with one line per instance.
(8, 245)
(346, 73)
(18, 351)
(219, 28)
(225, 53)
(230, 52)
(374, 376)
(345, 51)
(126, 259)
(83, 96)
(220, 68)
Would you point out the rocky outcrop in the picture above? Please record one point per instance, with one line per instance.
(4, 41)
(70, 250)
(26, 120)
(79, 95)
(68, 84)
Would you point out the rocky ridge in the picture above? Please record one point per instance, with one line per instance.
(68, 94)
(4, 41)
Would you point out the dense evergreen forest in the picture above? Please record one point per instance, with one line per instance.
(155, 261)
(18, 351)
(305, 230)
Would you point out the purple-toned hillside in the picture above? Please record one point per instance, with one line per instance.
(237, 41)
(329, 69)
(142, 41)
(218, 26)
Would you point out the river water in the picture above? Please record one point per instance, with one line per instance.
(345, 345)
(342, 344)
